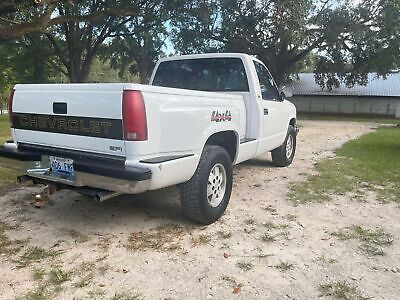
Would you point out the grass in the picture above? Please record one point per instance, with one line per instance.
(370, 163)
(96, 293)
(201, 239)
(48, 286)
(271, 210)
(372, 241)
(224, 234)
(77, 236)
(126, 296)
(285, 266)
(39, 293)
(5, 243)
(84, 281)
(86, 275)
(233, 283)
(347, 118)
(7, 176)
(325, 260)
(38, 274)
(5, 131)
(103, 269)
(268, 238)
(341, 290)
(270, 225)
(104, 243)
(291, 218)
(250, 221)
(275, 231)
(162, 238)
(245, 266)
(34, 254)
(58, 276)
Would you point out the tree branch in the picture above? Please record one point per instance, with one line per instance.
(44, 21)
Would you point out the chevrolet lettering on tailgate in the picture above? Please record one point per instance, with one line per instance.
(95, 127)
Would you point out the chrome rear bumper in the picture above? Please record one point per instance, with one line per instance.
(88, 173)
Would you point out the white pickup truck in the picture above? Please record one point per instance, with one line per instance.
(200, 115)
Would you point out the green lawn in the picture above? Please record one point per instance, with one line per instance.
(7, 176)
(371, 163)
(327, 117)
(5, 133)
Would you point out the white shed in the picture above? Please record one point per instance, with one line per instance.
(380, 97)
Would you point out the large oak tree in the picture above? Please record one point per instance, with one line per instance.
(350, 40)
(89, 25)
(22, 17)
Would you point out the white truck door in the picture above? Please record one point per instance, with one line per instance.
(273, 127)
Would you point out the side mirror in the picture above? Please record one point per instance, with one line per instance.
(286, 92)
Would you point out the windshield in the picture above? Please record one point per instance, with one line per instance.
(205, 74)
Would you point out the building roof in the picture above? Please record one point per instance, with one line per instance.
(376, 87)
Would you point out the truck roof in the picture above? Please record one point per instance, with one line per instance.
(206, 55)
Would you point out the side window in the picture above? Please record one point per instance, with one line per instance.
(269, 90)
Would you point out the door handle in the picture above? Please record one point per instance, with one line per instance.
(266, 111)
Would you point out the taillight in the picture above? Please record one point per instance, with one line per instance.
(10, 103)
(134, 116)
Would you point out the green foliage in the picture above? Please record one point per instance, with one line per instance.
(131, 38)
(27, 60)
(102, 72)
(369, 163)
(7, 176)
(333, 36)
(5, 131)
(359, 40)
(137, 54)
(337, 39)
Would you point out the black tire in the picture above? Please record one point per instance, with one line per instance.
(196, 204)
(281, 157)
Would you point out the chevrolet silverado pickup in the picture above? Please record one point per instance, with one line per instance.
(199, 116)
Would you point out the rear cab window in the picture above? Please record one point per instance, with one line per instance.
(204, 74)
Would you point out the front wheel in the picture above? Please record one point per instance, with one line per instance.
(284, 154)
(206, 195)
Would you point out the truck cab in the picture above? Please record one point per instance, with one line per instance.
(267, 111)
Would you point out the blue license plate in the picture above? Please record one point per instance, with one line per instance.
(62, 167)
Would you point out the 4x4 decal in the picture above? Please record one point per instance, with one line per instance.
(221, 117)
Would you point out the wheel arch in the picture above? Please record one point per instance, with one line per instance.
(293, 122)
(226, 139)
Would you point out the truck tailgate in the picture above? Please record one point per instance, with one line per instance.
(83, 117)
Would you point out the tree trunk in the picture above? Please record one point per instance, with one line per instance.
(78, 71)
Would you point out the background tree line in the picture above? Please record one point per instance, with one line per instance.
(45, 41)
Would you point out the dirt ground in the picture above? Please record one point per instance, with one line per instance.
(264, 247)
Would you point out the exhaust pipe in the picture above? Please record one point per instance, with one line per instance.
(106, 195)
(23, 179)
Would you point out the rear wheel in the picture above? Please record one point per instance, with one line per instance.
(284, 154)
(206, 195)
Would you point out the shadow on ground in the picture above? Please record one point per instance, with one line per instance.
(71, 212)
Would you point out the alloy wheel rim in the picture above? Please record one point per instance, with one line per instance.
(216, 185)
(289, 147)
